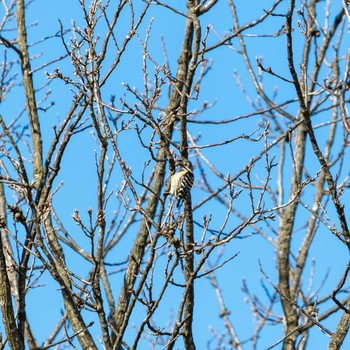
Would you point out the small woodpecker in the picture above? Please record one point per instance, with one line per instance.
(181, 182)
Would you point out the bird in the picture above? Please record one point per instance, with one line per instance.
(181, 182)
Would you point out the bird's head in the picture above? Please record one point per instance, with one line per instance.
(184, 164)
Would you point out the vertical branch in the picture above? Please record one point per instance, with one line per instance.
(101, 221)
(285, 236)
(29, 91)
(341, 331)
(18, 277)
(189, 267)
(304, 110)
(15, 338)
(138, 249)
(98, 256)
(60, 272)
(189, 245)
(288, 219)
(320, 190)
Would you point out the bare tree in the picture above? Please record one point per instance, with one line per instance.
(129, 264)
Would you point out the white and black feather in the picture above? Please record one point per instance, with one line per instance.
(180, 184)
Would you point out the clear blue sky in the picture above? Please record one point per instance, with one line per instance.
(220, 87)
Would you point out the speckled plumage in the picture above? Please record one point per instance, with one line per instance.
(180, 184)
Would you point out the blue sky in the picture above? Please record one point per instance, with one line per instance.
(220, 87)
